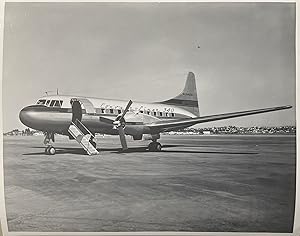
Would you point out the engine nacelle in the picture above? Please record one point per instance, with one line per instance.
(151, 136)
(136, 131)
(137, 137)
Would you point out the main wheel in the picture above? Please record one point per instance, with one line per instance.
(47, 150)
(157, 147)
(154, 147)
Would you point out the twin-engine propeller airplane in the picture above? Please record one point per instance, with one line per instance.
(82, 117)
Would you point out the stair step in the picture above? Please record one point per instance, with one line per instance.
(82, 137)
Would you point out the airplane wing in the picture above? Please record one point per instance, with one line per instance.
(163, 126)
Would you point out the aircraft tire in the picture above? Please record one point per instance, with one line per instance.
(157, 147)
(154, 147)
(51, 150)
(47, 150)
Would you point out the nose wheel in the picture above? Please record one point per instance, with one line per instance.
(154, 147)
(50, 150)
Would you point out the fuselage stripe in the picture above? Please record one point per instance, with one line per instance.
(179, 102)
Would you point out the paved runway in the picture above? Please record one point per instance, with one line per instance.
(198, 183)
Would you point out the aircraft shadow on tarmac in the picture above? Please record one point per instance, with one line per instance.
(80, 151)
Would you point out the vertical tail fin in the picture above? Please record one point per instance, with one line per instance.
(187, 99)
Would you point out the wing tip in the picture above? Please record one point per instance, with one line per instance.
(286, 107)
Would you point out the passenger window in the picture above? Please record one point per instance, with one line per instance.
(148, 112)
(167, 114)
(154, 113)
(47, 103)
(119, 111)
(111, 111)
(160, 113)
(102, 110)
(61, 102)
(52, 103)
(172, 114)
(141, 111)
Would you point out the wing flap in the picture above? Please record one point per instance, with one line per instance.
(182, 123)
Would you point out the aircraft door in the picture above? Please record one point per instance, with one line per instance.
(76, 110)
(88, 106)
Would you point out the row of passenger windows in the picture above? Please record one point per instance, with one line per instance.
(58, 103)
(50, 103)
(153, 113)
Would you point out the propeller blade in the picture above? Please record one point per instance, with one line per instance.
(122, 138)
(125, 111)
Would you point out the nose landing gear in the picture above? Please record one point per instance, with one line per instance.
(49, 150)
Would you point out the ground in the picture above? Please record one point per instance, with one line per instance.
(197, 183)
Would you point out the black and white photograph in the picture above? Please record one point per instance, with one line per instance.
(149, 117)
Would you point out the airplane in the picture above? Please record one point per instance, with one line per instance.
(81, 118)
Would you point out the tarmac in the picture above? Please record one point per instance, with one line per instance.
(197, 183)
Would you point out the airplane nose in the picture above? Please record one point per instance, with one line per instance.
(24, 116)
(39, 117)
(27, 116)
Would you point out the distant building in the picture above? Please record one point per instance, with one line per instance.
(237, 130)
(206, 132)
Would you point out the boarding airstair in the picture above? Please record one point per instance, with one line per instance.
(83, 136)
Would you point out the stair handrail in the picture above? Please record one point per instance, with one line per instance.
(86, 129)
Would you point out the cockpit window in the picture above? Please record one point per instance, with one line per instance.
(57, 103)
(41, 102)
(52, 103)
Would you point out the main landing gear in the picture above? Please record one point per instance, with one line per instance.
(49, 150)
(154, 146)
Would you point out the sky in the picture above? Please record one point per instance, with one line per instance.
(144, 51)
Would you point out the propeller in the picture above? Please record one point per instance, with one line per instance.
(125, 111)
(119, 124)
(122, 138)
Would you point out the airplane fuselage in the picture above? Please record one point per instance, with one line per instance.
(55, 113)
